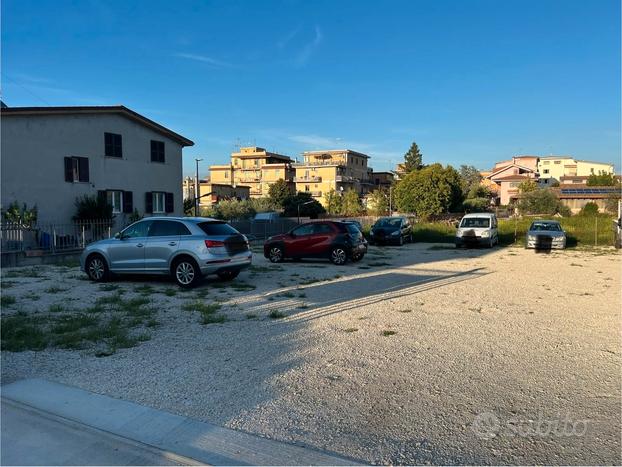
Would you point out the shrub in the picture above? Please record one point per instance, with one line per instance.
(308, 206)
(25, 216)
(540, 201)
(475, 204)
(92, 208)
(590, 209)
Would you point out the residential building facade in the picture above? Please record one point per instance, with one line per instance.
(211, 193)
(553, 168)
(53, 155)
(382, 179)
(338, 169)
(505, 178)
(255, 168)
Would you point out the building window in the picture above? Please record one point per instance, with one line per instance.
(158, 202)
(115, 198)
(545, 162)
(112, 145)
(558, 162)
(306, 187)
(157, 151)
(256, 162)
(226, 174)
(76, 169)
(591, 170)
(545, 171)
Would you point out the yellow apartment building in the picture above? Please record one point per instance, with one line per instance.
(337, 169)
(211, 193)
(556, 167)
(254, 167)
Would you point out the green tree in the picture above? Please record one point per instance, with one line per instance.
(92, 208)
(230, 209)
(590, 209)
(413, 159)
(264, 204)
(189, 206)
(611, 203)
(470, 179)
(430, 191)
(378, 202)
(527, 186)
(333, 202)
(278, 193)
(309, 207)
(541, 201)
(351, 204)
(21, 215)
(602, 179)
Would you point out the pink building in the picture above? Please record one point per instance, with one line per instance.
(507, 176)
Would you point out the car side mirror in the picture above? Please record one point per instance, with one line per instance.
(457, 224)
(117, 235)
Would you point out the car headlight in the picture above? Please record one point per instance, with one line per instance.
(531, 237)
(395, 234)
(459, 233)
(558, 237)
(485, 234)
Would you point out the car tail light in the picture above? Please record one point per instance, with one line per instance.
(214, 243)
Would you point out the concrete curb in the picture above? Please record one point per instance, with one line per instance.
(185, 437)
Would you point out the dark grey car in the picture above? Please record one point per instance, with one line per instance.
(187, 248)
(544, 235)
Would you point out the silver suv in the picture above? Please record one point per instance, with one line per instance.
(187, 248)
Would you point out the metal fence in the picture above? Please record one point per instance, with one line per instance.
(263, 230)
(52, 237)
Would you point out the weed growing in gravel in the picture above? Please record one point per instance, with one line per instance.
(7, 300)
(54, 289)
(152, 323)
(26, 272)
(6, 284)
(56, 308)
(109, 287)
(213, 318)
(276, 314)
(145, 289)
(286, 295)
(173, 292)
(114, 299)
(388, 333)
(350, 330)
(251, 316)
(242, 286)
(21, 332)
(32, 296)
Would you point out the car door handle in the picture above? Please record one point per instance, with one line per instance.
(139, 245)
(172, 243)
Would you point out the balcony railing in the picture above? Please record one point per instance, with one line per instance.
(346, 179)
(308, 179)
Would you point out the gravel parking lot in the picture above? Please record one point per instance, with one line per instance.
(419, 354)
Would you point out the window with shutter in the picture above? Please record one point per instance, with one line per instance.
(113, 145)
(76, 169)
(149, 202)
(128, 202)
(157, 151)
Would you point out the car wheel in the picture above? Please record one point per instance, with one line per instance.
(400, 242)
(275, 255)
(491, 243)
(97, 269)
(338, 256)
(186, 272)
(357, 257)
(228, 275)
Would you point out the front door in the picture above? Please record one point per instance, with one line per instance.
(162, 243)
(319, 242)
(127, 253)
(298, 244)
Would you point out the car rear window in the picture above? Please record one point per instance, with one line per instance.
(217, 228)
(353, 229)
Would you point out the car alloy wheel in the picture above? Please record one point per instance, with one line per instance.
(338, 256)
(276, 254)
(185, 273)
(97, 269)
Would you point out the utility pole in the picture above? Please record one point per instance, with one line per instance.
(196, 189)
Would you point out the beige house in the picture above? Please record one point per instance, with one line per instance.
(255, 168)
(382, 179)
(554, 168)
(337, 169)
(506, 177)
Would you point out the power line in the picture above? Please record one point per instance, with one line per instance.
(25, 89)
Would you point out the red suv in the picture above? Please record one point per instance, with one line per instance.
(337, 241)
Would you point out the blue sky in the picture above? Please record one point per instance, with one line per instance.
(471, 82)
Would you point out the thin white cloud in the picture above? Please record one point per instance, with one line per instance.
(282, 43)
(204, 59)
(303, 57)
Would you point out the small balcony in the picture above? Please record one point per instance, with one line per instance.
(345, 179)
(308, 179)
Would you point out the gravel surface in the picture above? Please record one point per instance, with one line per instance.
(419, 354)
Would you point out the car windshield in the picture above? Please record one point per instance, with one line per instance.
(217, 228)
(475, 222)
(353, 229)
(389, 222)
(545, 227)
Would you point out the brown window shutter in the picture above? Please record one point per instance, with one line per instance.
(68, 169)
(169, 205)
(128, 202)
(83, 168)
(149, 202)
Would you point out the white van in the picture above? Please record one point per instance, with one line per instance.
(477, 229)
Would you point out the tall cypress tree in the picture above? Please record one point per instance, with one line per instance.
(413, 159)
